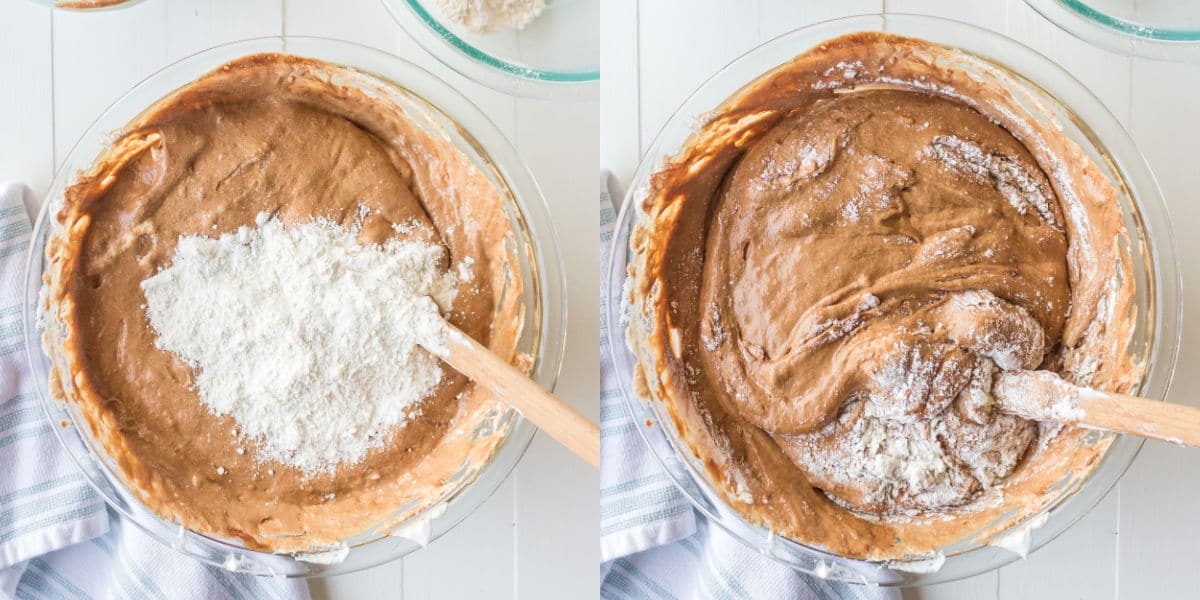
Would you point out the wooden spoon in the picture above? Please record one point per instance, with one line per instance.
(1044, 396)
(514, 388)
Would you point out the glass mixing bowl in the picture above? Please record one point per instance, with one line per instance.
(1160, 29)
(1086, 121)
(555, 57)
(442, 111)
(86, 5)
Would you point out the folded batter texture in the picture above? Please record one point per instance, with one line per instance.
(828, 274)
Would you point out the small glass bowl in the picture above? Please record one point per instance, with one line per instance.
(1086, 121)
(86, 6)
(556, 57)
(1158, 29)
(444, 112)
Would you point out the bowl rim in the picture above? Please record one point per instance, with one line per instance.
(1123, 36)
(486, 68)
(1165, 278)
(549, 316)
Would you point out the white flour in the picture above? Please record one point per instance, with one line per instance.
(1041, 395)
(1017, 185)
(307, 339)
(485, 16)
(906, 461)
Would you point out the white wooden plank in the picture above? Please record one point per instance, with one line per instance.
(366, 22)
(1081, 563)
(499, 107)
(990, 15)
(198, 24)
(672, 65)
(558, 494)
(775, 18)
(681, 44)
(620, 143)
(97, 57)
(1103, 72)
(1160, 525)
(980, 587)
(26, 99)
(474, 560)
(386, 581)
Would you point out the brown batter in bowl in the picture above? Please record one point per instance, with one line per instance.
(292, 137)
(827, 273)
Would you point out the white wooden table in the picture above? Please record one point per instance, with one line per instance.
(536, 537)
(1143, 539)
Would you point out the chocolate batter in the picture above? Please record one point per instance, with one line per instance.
(829, 273)
(287, 136)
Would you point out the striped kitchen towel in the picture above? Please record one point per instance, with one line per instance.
(653, 544)
(640, 507)
(57, 539)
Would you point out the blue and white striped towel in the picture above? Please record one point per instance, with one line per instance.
(57, 540)
(653, 543)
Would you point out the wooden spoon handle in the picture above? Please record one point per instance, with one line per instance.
(563, 423)
(1045, 396)
(1138, 416)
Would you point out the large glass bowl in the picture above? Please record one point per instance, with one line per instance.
(555, 57)
(1085, 120)
(98, 6)
(445, 113)
(1159, 29)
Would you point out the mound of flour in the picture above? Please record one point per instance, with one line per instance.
(485, 16)
(309, 340)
